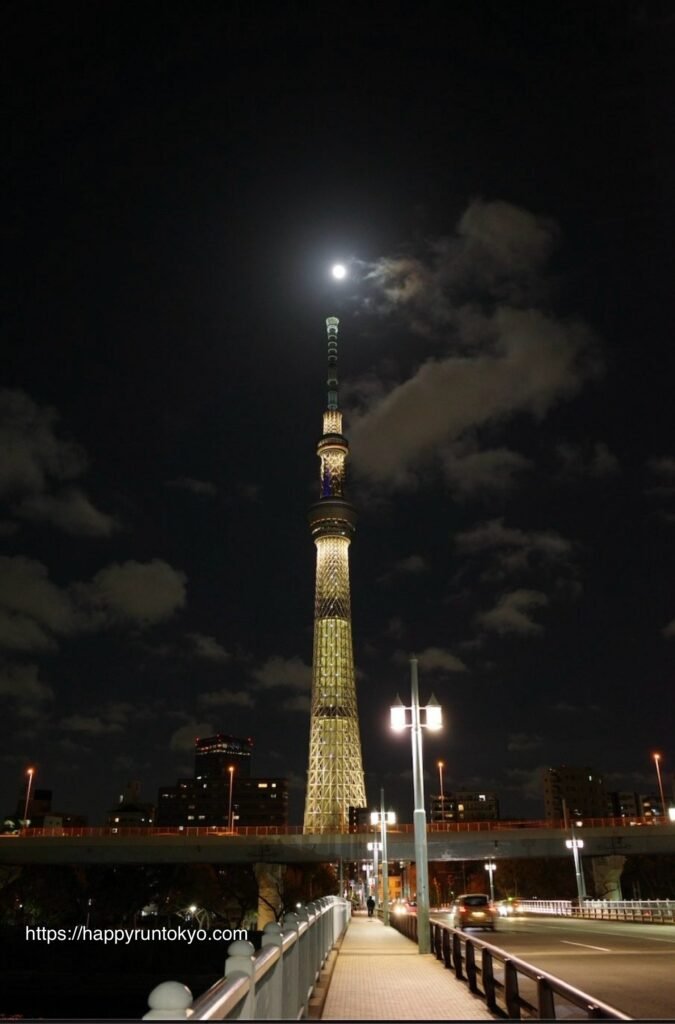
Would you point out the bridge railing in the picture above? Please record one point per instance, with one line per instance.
(275, 983)
(510, 986)
(295, 830)
(642, 911)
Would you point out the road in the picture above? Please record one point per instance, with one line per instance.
(629, 966)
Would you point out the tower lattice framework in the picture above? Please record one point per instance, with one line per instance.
(335, 774)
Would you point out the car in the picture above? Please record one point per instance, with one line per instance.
(473, 910)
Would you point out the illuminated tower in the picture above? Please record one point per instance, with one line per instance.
(335, 774)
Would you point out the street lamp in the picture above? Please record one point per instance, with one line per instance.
(433, 720)
(491, 867)
(657, 758)
(30, 772)
(575, 845)
(230, 822)
(384, 818)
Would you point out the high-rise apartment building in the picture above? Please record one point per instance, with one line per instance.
(465, 805)
(575, 792)
(215, 755)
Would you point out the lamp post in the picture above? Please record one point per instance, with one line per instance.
(30, 772)
(373, 848)
(230, 821)
(441, 766)
(664, 812)
(384, 818)
(433, 721)
(491, 867)
(575, 845)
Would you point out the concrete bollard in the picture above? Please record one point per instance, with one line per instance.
(169, 1001)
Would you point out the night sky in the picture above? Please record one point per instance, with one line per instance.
(178, 179)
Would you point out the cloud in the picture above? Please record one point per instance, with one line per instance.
(109, 718)
(207, 647)
(299, 702)
(221, 698)
(35, 613)
(517, 549)
(663, 467)
(22, 685)
(141, 592)
(492, 469)
(70, 511)
(521, 741)
(278, 671)
(410, 564)
(183, 739)
(32, 453)
(92, 725)
(437, 659)
(32, 608)
(510, 615)
(34, 460)
(498, 354)
(530, 362)
(599, 462)
(203, 488)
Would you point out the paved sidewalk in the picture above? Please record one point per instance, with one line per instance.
(379, 975)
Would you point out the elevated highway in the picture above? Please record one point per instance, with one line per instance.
(466, 841)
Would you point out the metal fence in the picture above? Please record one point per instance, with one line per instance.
(511, 987)
(276, 983)
(642, 911)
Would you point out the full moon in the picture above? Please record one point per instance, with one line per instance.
(339, 271)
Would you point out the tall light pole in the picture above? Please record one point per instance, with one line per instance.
(384, 818)
(575, 845)
(491, 867)
(664, 812)
(433, 720)
(30, 772)
(373, 848)
(441, 766)
(230, 821)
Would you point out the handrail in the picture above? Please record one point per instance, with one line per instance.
(275, 982)
(458, 953)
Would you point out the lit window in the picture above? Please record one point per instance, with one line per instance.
(262, 785)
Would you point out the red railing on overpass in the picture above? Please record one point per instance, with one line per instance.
(296, 830)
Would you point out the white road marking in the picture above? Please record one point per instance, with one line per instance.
(603, 949)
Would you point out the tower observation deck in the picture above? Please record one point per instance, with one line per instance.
(335, 773)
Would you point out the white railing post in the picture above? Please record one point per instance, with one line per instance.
(272, 937)
(314, 954)
(292, 997)
(306, 967)
(240, 956)
(169, 1001)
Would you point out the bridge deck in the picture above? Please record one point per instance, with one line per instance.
(379, 975)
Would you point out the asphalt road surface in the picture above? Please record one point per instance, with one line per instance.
(629, 966)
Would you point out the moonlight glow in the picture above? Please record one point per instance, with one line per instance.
(339, 271)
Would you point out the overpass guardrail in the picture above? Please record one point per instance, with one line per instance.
(275, 983)
(641, 911)
(511, 987)
(87, 831)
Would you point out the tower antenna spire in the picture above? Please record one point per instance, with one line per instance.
(332, 324)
